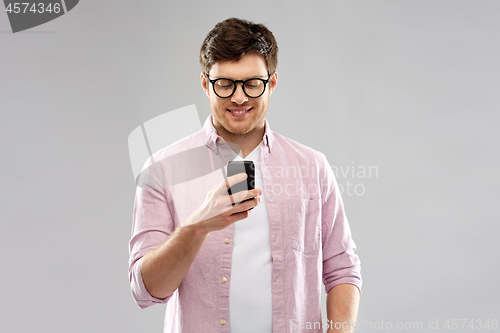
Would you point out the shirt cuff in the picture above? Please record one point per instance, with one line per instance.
(349, 280)
(141, 295)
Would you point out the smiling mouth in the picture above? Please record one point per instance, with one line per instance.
(239, 111)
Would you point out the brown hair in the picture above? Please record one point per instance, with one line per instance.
(233, 38)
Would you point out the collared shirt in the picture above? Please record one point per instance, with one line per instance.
(310, 238)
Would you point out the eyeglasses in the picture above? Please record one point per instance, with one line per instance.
(225, 88)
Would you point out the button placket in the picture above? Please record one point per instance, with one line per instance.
(224, 275)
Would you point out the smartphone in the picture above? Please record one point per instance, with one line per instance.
(236, 167)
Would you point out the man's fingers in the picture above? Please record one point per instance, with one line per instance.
(242, 195)
(225, 202)
(230, 181)
(244, 206)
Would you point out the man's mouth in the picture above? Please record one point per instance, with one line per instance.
(239, 110)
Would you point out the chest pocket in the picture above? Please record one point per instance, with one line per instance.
(304, 223)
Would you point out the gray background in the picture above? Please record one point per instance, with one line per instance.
(410, 87)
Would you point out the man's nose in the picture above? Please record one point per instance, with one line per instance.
(239, 96)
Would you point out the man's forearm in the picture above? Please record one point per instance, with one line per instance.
(164, 268)
(342, 304)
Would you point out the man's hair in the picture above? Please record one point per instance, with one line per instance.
(233, 38)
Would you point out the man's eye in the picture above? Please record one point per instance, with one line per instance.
(224, 84)
(253, 84)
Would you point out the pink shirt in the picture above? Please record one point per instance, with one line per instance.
(310, 238)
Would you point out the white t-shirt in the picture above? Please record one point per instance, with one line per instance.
(250, 300)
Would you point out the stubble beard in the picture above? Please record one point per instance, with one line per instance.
(224, 122)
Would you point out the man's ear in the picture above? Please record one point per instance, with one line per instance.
(273, 82)
(204, 84)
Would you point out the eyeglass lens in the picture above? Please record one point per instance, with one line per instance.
(253, 88)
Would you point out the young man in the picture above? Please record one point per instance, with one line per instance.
(228, 268)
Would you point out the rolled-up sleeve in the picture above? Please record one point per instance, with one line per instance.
(340, 263)
(152, 225)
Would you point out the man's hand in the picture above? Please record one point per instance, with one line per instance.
(164, 268)
(218, 212)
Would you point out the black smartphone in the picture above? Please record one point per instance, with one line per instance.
(236, 167)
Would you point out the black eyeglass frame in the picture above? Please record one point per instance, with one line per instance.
(242, 85)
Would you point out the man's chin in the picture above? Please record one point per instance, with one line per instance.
(237, 131)
(241, 127)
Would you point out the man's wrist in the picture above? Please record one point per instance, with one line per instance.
(195, 230)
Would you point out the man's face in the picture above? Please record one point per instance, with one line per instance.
(225, 118)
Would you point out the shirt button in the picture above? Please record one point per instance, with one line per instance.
(219, 140)
(224, 280)
(223, 322)
(227, 240)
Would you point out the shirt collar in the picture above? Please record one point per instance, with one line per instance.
(211, 137)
